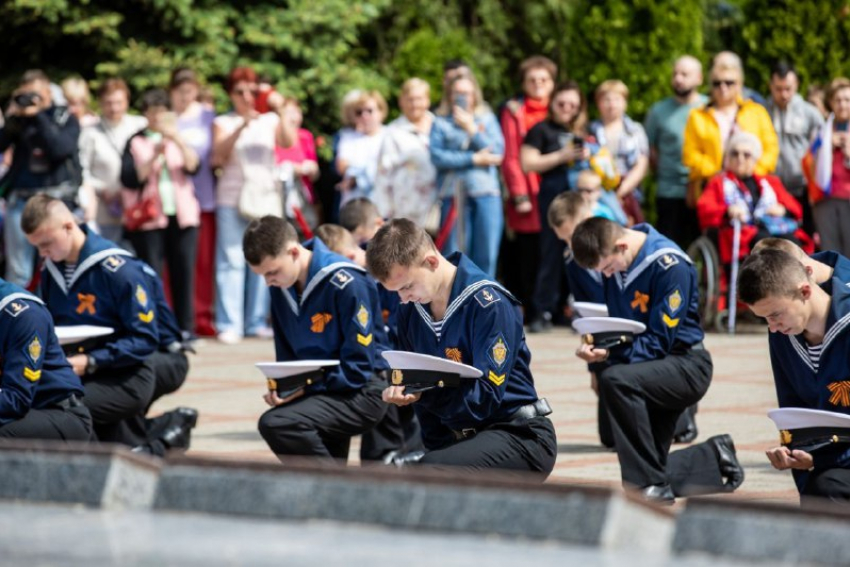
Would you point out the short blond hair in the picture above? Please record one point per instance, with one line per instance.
(75, 88)
(336, 238)
(366, 96)
(415, 83)
(564, 207)
(612, 86)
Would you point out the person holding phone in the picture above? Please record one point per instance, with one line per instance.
(156, 169)
(466, 148)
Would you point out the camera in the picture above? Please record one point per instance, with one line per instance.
(461, 101)
(25, 100)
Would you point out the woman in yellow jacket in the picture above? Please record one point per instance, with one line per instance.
(709, 128)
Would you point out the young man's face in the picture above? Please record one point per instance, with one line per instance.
(53, 240)
(618, 261)
(281, 270)
(417, 283)
(786, 314)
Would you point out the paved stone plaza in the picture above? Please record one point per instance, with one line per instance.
(227, 390)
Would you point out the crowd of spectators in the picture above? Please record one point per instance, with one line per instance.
(178, 184)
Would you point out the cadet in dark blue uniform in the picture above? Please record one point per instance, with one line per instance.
(666, 369)
(39, 393)
(451, 310)
(398, 432)
(323, 307)
(809, 345)
(88, 280)
(566, 212)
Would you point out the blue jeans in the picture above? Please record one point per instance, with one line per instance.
(242, 302)
(483, 224)
(20, 256)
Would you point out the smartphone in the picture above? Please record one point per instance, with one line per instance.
(578, 143)
(462, 101)
(566, 139)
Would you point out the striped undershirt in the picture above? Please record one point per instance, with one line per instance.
(814, 355)
(69, 273)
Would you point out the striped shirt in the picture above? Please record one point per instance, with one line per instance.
(814, 354)
(69, 273)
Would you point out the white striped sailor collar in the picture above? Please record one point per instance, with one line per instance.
(18, 295)
(322, 265)
(837, 322)
(95, 250)
(469, 280)
(653, 248)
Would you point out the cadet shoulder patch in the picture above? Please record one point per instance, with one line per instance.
(15, 308)
(498, 352)
(34, 350)
(363, 318)
(341, 279)
(113, 263)
(674, 301)
(667, 261)
(486, 297)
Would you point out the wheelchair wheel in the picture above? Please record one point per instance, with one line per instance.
(721, 321)
(707, 263)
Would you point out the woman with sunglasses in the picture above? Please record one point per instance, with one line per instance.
(759, 202)
(357, 154)
(243, 149)
(710, 128)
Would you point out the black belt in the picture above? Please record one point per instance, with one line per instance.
(71, 401)
(540, 408)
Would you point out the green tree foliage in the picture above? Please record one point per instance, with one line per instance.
(811, 35)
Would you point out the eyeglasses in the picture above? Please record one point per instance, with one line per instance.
(740, 154)
(243, 92)
(361, 111)
(728, 83)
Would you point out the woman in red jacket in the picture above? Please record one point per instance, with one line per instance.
(518, 115)
(760, 203)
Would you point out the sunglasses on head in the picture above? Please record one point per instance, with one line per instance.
(728, 83)
(740, 154)
(362, 111)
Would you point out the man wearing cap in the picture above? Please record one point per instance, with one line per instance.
(39, 393)
(648, 384)
(88, 280)
(323, 307)
(451, 310)
(808, 345)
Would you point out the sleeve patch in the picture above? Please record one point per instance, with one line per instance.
(142, 296)
(498, 352)
(363, 318)
(146, 317)
(667, 261)
(113, 263)
(15, 308)
(486, 297)
(341, 279)
(364, 340)
(674, 302)
(497, 379)
(669, 321)
(34, 350)
(32, 375)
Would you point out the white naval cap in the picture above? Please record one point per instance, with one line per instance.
(607, 332)
(588, 309)
(293, 367)
(403, 360)
(73, 334)
(809, 430)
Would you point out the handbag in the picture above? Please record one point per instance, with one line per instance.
(138, 214)
(261, 194)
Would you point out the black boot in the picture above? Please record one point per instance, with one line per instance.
(727, 459)
(659, 494)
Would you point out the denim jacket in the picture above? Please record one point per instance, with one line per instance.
(451, 152)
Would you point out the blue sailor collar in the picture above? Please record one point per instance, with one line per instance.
(95, 250)
(323, 264)
(656, 248)
(11, 293)
(837, 321)
(569, 258)
(470, 282)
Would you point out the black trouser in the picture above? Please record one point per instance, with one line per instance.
(675, 220)
(830, 484)
(170, 370)
(118, 399)
(644, 401)
(55, 423)
(397, 431)
(178, 247)
(683, 424)
(550, 269)
(521, 445)
(520, 260)
(322, 425)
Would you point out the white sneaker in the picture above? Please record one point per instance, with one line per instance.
(263, 333)
(229, 338)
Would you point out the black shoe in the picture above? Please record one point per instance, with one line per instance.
(404, 459)
(188, 416)
(688, 435)
(176, 437)
(659, 494)
(730, 468)
(686, 427)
